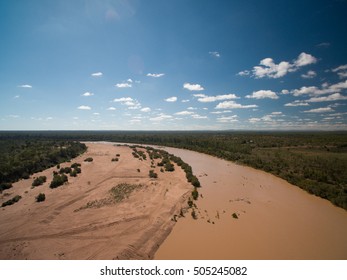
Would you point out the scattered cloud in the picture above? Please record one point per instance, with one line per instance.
(155, 75)
(96, 114)
(227, 119)
(332, 97)
(123, 85)
(285, 91)
(205, 98)
(16, 96)
(25, 86)
(84, 107)
(244, 73)
(304, 59)
(325, 89)
(185, 100)
(192, 108)
(171, 99)
(88, 94)
(184, 113)
(233, 105)
(123, 99)
(309, 75)
(160, 117)
(214, 54)
(193, 87)
(146, 109)
(13, 116)
(111, 109)
(197, 116)
(341, 71)
(296, 103)
(269, 69)
(323, 45)
(261, 94)
(221, 112)
(132, 104)
(129, 80)
(320, 110)
(97, 74)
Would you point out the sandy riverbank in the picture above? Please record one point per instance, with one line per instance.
(276, 220)
(131, 229)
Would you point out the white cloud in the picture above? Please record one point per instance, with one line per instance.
(244, 73)
(155, 75)
(205, 98)
(88, 94)
(16, 96)
(184, 113)
(233, 105)
(197, 116)
(320, 110)
(193, 87)
(227, 119)
(132, 104)
(123, 99)
(296, 103)
(332, 97)
(146, 109)
(160, 117)
(261, 94)
(129, 80)
(221, 112)
(323, 45)
(254, 120)
(25, 86)
(268, 68)
(97, 74)
(276, 113)
(314, 91)
(192, 108)
(123, 85)
(171, 99)
(214, 54)
(341, 71)
(96, 114)
(49, 118)
(111, 109)
(309, 75)
(305, 59)
(185, 100)
(83, 107)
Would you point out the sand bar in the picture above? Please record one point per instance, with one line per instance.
(276, 220)
(62, 227)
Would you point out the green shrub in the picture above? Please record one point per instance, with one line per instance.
(195, 194)
(73, 173)
(152, 174)
(89, 159)
(58, 180)
(5, 186)
(39, 181)
(169, 167)
(11, 201)
(40, 197)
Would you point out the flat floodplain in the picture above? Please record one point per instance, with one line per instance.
(275, 220)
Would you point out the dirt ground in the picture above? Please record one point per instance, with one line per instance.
(80, 220)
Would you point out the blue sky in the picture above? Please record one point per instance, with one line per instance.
(173, 65)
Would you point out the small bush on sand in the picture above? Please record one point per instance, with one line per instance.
(89, 159)
(11, 201)
(41, 197)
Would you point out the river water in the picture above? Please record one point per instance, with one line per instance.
(275, 220)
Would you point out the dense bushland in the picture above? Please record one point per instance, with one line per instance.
(20, 157)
